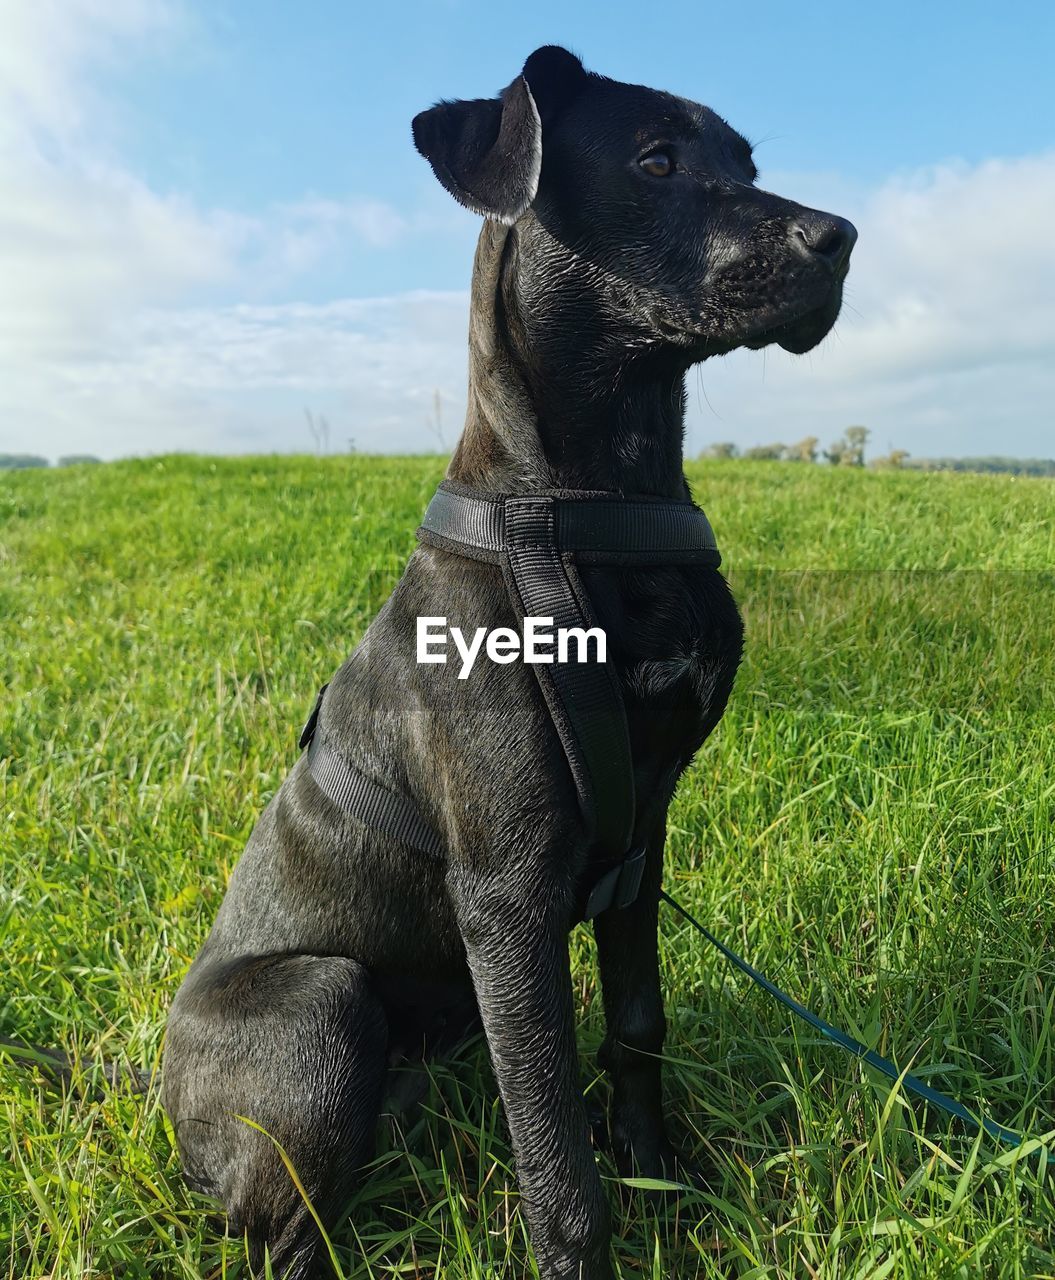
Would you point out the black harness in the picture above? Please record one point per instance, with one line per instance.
(539, 540)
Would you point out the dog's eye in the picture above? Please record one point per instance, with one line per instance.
(657, 164)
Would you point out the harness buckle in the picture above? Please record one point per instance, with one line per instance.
(618, 887)
(631, 869)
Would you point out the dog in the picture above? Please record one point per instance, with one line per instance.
(624, 240)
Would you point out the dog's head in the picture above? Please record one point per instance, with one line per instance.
(647, 199)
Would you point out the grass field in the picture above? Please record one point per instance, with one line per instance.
(873, 825)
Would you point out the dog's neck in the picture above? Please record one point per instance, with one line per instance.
(557, 400)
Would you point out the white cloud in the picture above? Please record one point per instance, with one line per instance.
(91, 257)
(958, 267)
(106, 344)
(236, 379)
(81, 240)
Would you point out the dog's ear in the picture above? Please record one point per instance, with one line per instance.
(488, 152)
(555, 77)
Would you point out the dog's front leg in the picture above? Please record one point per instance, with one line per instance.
(636, 1027)
(516, 941)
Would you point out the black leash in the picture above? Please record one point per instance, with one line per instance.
(845, 1041)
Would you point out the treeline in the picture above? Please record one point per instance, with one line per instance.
(849, 451)
(1009, 466)
(20, 461)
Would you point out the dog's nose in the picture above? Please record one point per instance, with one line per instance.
(823, 235)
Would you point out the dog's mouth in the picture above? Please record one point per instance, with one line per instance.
(802, 330)
(796, 326)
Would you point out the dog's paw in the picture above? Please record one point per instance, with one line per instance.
(658, 1162)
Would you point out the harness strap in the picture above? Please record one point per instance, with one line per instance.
(538, 540)
(596, 528)
(353, 791)
(584, 698)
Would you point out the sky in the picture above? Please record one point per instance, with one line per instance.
(214, 222)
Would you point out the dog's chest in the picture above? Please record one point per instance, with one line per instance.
(675, 635)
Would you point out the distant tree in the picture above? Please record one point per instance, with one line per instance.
(765, 452)
(804, 451)
(849, 451)
(835, 452)
(76, 459)
(892, 461)
(20, 461)
(320, 431)
(857, 438)
(721, 449)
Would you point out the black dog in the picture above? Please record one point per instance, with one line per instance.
(625, 240)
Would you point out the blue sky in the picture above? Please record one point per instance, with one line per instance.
(217, 217)
(262, 103)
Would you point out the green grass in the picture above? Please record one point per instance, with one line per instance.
(872, 825)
